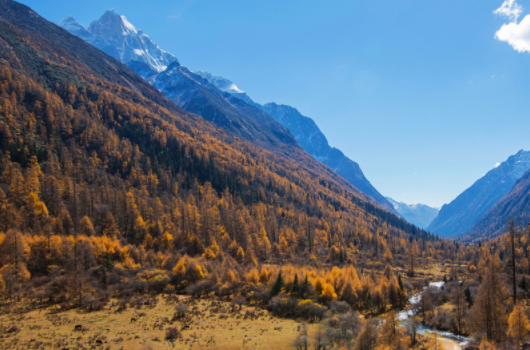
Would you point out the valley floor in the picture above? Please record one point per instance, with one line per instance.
(222, 330)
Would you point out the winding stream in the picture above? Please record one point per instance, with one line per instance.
(449, 340)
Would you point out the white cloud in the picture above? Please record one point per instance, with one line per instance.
(516, 34)
(497, 164)
(510, 9)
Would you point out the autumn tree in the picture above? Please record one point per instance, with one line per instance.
(391, 335)
(512, 233)
(460, 307)
(413, 254)
(489, 308)
(518, 323)
(367, 337)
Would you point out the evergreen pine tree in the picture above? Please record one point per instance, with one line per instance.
(469, 298)
(278, 285)
(524, 284)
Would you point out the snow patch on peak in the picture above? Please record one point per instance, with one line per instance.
(130, 28)
(70, 23)
(235, 88)
(221, 83)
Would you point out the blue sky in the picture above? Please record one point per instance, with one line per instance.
(420, 93)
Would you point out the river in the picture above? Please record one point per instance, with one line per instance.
(448, 340)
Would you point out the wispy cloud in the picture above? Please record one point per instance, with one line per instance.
(510, 9)
(497, 165)
(516, 34)
(174, 17)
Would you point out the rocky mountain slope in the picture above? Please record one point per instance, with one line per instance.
(462, 213)
(515, 205)
(420, 215)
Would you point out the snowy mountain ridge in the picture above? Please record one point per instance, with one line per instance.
(221, 83)
(117, 37)
(420, 215)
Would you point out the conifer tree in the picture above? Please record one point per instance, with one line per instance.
(469, 297)
(524, 284)
(278, 285)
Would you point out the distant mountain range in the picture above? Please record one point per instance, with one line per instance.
(460, 216)
(420, 215)
(217, 99)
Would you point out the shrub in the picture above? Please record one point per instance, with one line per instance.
(283, 306)
(238, 302)
(339, 307)
(13, 329)
(156, 279)
(181, 310)
(172, 333)
(310, 310)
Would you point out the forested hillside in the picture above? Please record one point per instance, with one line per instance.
(82, 155)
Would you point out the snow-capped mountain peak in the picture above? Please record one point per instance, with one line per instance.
(119, 38)
(126, 26)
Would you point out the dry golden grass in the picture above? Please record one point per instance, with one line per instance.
(116, 331)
